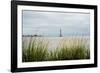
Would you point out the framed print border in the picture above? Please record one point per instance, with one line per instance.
(14, 38)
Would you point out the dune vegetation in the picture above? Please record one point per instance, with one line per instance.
(37, 50)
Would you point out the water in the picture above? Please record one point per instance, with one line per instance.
(54, 42)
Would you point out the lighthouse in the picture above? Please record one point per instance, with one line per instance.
(60, 33)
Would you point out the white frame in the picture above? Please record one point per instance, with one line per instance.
(53, 63)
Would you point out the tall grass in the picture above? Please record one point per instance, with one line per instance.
(72, 49)
(36, 50)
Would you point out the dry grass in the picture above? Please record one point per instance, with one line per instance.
(68, 49)
(36, 50)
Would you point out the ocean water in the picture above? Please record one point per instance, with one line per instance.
(54, 42)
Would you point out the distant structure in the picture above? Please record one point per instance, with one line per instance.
(60, 32)
(32, 35)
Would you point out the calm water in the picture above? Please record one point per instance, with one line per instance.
(54, 42)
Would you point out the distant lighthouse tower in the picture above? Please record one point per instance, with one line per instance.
(60, 33)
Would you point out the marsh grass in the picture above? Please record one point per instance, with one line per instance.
(36, 50)
(72, 49)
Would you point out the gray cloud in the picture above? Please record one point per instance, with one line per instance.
(49, 23)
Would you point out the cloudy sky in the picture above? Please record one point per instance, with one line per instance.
(50, 23)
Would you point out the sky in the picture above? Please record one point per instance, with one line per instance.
(48, 24)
